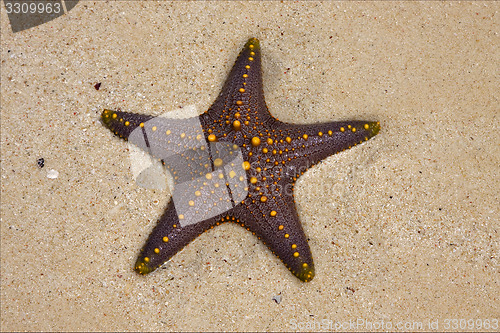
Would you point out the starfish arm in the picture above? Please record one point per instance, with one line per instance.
(122, 124)
(273, 219)
(306, 145)
(241, 100)
(167, 238)
(179, 144)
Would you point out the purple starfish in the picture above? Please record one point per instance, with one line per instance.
(235, 163)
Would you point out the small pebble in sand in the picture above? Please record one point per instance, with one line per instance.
(97, 86)
(277, 299)
(52, 174)
(40, 162)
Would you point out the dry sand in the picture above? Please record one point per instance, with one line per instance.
(404, 229)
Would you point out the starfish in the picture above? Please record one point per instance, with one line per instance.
(235, 163)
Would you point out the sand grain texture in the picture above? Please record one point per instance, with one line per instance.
(403, 228)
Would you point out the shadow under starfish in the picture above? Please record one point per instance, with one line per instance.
(235, 163)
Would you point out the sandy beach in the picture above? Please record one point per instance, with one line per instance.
(404, 229)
